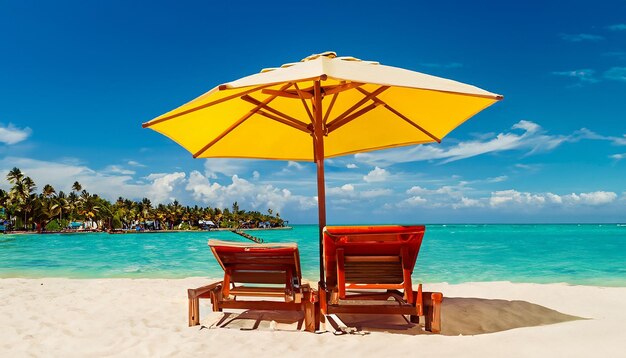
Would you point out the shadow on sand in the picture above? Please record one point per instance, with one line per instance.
(460, 316)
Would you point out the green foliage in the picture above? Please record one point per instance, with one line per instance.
(184, 226)
(116, 223)
(52, 210)
(57, 225)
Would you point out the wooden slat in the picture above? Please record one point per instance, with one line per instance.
(263, 305)
(258, 291)
(372, 259)
(270, 277)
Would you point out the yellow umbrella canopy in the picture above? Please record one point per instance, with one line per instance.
(367, 106)
(321, 107)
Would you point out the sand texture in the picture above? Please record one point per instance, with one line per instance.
(148, 317)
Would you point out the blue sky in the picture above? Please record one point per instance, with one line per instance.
(78, 78)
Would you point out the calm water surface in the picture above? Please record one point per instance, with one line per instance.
(577, 254)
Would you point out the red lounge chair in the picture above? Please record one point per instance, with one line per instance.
(275, 266)
(361, 261)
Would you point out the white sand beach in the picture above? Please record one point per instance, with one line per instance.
(148, 317)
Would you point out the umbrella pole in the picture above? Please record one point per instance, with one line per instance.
(318, 146)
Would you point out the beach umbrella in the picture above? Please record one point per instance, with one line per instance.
(321, 107)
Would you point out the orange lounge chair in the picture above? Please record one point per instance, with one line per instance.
(362, 261)
(274, 266)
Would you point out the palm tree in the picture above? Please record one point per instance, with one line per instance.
(22, 202)
(72, 201)
(63, 204)
(48, 191)
(26, 192)
(44, 211)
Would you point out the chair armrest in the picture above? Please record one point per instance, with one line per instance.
(200, 291)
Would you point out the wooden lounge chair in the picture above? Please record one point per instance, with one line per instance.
(258, 271)
(365, 266)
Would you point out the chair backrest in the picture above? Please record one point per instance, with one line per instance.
(258, 263)
(372, 253)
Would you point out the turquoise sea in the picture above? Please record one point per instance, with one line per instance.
(576, 254)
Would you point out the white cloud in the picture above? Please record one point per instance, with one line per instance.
(553, 198)
(593, 198)
(618, 156)
(444, 190)
(512, 197)
(296, 165)
(344, 190)
(617, 27)
(375, 193)
(259, 197)
(159, 192)
(616, 74)
(497, 179)
(587, 134)
(413, 201)
(133, 163)
(256, 175)
(226, 166)
(376, 175)
(583, 75)
(527, 166)
(581, 37)
(116, 169)
(62, 175)
(467, 203)
(12, 135)
(532, 139)
(349, 191)
(351, 166)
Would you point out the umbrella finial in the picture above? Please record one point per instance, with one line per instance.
(329, 54)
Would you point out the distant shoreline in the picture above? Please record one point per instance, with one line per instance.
(141, 232)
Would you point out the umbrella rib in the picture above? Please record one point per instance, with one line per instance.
(285, 118)
(369, 96)
(300, 126)
(238, 122)
(308, 111)
(330, 107)
(402, 116)
(342, 87)
(227, 98)
(287, 94)
(345, 120)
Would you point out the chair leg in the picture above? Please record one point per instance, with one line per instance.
(318, 316)
(432, 311)
(216, 297)
(309, 316)
(194, 311)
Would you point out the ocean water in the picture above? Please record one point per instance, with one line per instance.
(575, 254)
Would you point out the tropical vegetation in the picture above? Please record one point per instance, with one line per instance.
(22, 208)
